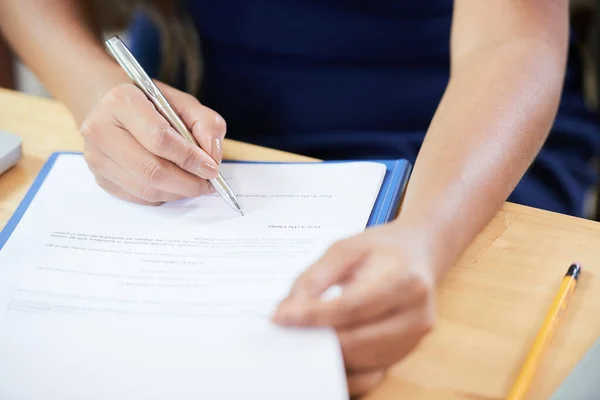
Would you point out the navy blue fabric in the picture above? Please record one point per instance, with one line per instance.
(351, 79)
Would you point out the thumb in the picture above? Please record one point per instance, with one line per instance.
(205, 124)
(334, 267)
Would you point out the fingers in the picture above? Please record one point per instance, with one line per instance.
(135, 153)
(134, 168)
(334, 266)
(366, 298)
(155, 134)
(380, 285)
(360, 383)
(207, 126)
(146, 168)
(120, 183)
(117, 191)
(384, 342)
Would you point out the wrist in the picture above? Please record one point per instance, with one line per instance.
(428, 234)
(103, 77)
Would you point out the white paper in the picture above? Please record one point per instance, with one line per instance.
(104, 299)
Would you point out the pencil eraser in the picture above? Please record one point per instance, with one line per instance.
(10, 150)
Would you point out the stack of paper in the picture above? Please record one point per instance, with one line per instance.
(104, 299)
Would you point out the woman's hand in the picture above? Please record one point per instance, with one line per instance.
(137, 156)
(387, 276)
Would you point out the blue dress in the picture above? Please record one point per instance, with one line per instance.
(355, 79)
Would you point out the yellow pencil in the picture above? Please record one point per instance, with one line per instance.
(545, 333)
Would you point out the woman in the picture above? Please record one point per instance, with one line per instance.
(467, 90)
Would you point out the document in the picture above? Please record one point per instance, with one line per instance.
(105, 299)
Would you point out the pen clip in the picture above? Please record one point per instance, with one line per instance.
(134, 70)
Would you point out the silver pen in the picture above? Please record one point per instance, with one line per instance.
(121, 53)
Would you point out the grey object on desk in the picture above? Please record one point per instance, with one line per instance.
(583, 383)
(10, 150)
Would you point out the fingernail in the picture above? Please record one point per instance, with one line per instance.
(216, 149)
(207, 170)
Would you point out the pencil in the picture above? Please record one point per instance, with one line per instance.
(561, 299)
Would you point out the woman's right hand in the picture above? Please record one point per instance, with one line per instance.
(137, 156)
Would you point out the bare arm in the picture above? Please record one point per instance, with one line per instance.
(60, 42)
(507, 68)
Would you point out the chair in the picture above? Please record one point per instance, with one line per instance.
(585, 21)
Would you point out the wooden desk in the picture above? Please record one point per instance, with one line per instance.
(489, 307)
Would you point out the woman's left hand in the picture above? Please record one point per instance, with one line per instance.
(386, 306)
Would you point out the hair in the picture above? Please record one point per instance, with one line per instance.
(179, 41)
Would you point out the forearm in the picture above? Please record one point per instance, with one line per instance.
(59, 41)
(494, 117)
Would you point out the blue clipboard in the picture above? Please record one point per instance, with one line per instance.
(392, 191)
(385, 208)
